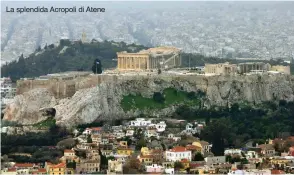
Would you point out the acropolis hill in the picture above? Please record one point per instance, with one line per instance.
(83, 97)
(87, 98)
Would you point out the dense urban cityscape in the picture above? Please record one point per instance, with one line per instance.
(148, 88)
(261, 30)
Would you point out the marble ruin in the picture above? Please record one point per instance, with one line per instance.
(153, 58)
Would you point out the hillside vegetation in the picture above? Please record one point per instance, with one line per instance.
(168, 97)
(233, 126)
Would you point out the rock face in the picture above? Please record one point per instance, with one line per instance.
(103, 101)
(28, 108)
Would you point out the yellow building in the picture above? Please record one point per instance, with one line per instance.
(124, 151)
(123, 144)
(52, 169)
(146, 159)
(145, 151)
(70, 171)
(280, 162)
(153, 58)
(203, 146)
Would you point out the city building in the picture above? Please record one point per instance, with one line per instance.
(154, 168)
(153, 58)
(177, 154)
(88, 166)
(140, 122)
(115, 167)
(69, 156)
(215, 160)
(267, 150)
(53, 169)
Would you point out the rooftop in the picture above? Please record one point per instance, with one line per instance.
(69, 151)
(26, 165)
(178, 149)
(60, 165)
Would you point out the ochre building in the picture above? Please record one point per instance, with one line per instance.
(153, 58)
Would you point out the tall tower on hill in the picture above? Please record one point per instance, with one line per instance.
(84, 37)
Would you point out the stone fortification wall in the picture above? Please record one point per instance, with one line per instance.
(67, 88)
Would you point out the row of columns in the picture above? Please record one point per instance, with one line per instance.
(247, 68)
(133, 63)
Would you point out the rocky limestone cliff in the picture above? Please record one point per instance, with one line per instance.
(28, 107)
(103, 101)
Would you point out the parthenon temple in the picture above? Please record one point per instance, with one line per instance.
(153, 58)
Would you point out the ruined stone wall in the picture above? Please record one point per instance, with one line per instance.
(67, 88)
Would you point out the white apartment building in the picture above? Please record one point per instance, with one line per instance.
(178, 153)
(215, 160)
(233, 152)
(160, 127)
(140, 122)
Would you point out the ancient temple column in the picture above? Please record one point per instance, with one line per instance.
(147, 62)
(125, 62)
(118, 62)
(139, 59)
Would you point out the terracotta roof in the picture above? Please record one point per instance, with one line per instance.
(42, 170)
(11, 170)
(192, 147)
(96, 128)
(26, 165)
(178, 149)
(185, 160)
(60, 165)
(277, 172)
(68, 151)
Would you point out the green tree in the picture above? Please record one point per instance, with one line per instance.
(198, 157)
(217, 133)
(158, 97)
(141, 143)
(178, 165)
(89, 139)
(103, 160)
(71, 165)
